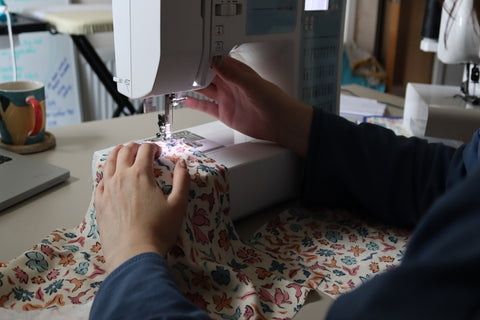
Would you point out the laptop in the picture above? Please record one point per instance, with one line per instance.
(22, 177)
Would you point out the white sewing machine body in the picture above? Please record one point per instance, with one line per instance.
(450, 112)
(164, 47)
(262, 174)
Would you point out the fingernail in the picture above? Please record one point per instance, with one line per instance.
(217, 61)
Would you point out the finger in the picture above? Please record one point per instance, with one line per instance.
(205, 106)
(235, 71)
(211, 90)
(146, 155)
(178, 198)
(98, 192)
(111, 163)
(126, 156)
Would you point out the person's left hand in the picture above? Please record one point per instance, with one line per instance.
(133, 214)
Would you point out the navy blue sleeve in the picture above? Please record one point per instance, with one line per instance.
(143, 288)
(438, 276)
(368, 166)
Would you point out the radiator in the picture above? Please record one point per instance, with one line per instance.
(97, 104)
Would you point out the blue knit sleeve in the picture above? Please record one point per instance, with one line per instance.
(143, 288)
(368, 166)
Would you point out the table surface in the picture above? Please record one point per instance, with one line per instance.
(65, 205)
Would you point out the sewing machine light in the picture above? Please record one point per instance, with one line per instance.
(316, 5)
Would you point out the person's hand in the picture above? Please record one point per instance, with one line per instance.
(254, 106)
(133, 214)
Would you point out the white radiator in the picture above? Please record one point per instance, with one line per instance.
(97, 104)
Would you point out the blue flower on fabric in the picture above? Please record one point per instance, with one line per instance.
(333, 236)
(349, 260)
(54, 287)
(96, 284)
(280, 267)
(307, 241)
(22, 294)
(221, 276)
(166, 188)
(70, 235)
(45, 241)
(362, 232)
(325, 252)
(209, 170)
(36, 261)
(197, 153)
(82, 268)
(372, 246)
(393, 239)
(339, 273)
(72, 248)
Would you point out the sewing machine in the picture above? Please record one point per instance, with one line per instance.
(166, 48)
(449, 112)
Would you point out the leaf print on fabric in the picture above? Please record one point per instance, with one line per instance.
(198, 220)
(48, 251)
(21, 275)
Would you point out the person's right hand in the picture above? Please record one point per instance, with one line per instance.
(254, 106)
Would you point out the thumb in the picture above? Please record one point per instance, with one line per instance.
(178, 198)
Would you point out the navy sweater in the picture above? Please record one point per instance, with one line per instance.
(431, 188)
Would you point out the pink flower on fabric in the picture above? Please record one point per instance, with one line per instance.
(281, 297)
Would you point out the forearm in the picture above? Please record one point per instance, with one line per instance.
(142, 288)
(294, 126)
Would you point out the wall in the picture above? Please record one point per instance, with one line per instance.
(366, 24)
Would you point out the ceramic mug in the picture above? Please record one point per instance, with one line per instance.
(22, 112)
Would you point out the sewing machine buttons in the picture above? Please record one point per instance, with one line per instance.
(218, 45)
(218, 30)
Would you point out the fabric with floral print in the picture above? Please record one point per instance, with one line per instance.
(267, 277)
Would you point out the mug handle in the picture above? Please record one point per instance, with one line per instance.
(38, 114)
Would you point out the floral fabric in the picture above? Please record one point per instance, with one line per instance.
(267, 277)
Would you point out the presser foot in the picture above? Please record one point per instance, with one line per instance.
(164, 132)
